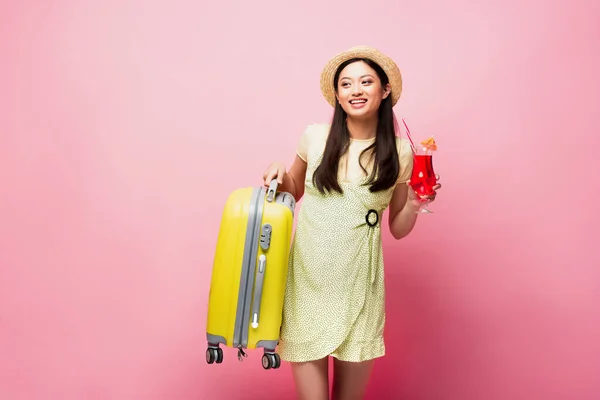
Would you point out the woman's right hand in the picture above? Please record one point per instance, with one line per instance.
(275, 171)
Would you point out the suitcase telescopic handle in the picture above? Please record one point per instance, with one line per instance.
(260, 277)
(272, 190)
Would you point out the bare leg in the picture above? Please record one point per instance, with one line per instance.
(311, 379)
(350, 379)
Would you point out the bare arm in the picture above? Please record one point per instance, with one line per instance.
(403, 205)
(402, 216)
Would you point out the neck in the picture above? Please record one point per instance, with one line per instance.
(362, 129)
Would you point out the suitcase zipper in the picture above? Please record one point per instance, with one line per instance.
(253, 242)
(248, 270)
(241, 353)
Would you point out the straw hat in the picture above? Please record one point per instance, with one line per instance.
(386, 63)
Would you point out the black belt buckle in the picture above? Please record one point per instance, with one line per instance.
(376, 218)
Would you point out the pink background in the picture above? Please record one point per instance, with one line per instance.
(117, 124)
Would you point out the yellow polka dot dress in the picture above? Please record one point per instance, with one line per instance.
(335, 298)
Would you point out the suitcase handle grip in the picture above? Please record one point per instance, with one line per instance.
(260, 277)
(272, 190)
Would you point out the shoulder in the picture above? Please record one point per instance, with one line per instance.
(313, 137)
(403, 146)
(317, 131)
(405, 157)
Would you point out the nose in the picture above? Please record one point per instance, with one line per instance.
(357, 90)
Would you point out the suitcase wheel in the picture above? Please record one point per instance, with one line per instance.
(214, 354)
(271, 360)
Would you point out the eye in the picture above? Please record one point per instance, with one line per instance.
(367, 82)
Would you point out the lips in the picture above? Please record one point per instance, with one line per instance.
(358, 103)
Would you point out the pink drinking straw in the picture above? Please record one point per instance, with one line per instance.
(412, 145)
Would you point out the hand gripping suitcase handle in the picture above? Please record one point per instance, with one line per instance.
(258, 287)
(272, 190)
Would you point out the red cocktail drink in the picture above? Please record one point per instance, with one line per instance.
(423, 177)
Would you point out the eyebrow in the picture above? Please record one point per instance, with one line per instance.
(364, 76)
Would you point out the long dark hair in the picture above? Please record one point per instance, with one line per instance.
(385, 155)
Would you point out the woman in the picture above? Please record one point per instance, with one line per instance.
(348, 172)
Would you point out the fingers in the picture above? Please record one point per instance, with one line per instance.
(435, 189)
(269, 175)
(275, 171)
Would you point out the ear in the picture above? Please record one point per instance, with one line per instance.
(387, 90)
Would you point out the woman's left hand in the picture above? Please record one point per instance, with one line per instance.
(415, 201)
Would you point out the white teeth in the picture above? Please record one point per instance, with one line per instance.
(357, 101)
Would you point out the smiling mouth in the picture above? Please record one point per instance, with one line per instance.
(358, 101)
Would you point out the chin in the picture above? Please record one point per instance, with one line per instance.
(360, 114)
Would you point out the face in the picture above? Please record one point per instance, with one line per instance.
(359, 90)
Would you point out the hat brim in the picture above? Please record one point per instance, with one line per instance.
(386, 63)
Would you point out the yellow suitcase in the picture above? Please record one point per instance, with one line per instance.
(249, 273)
